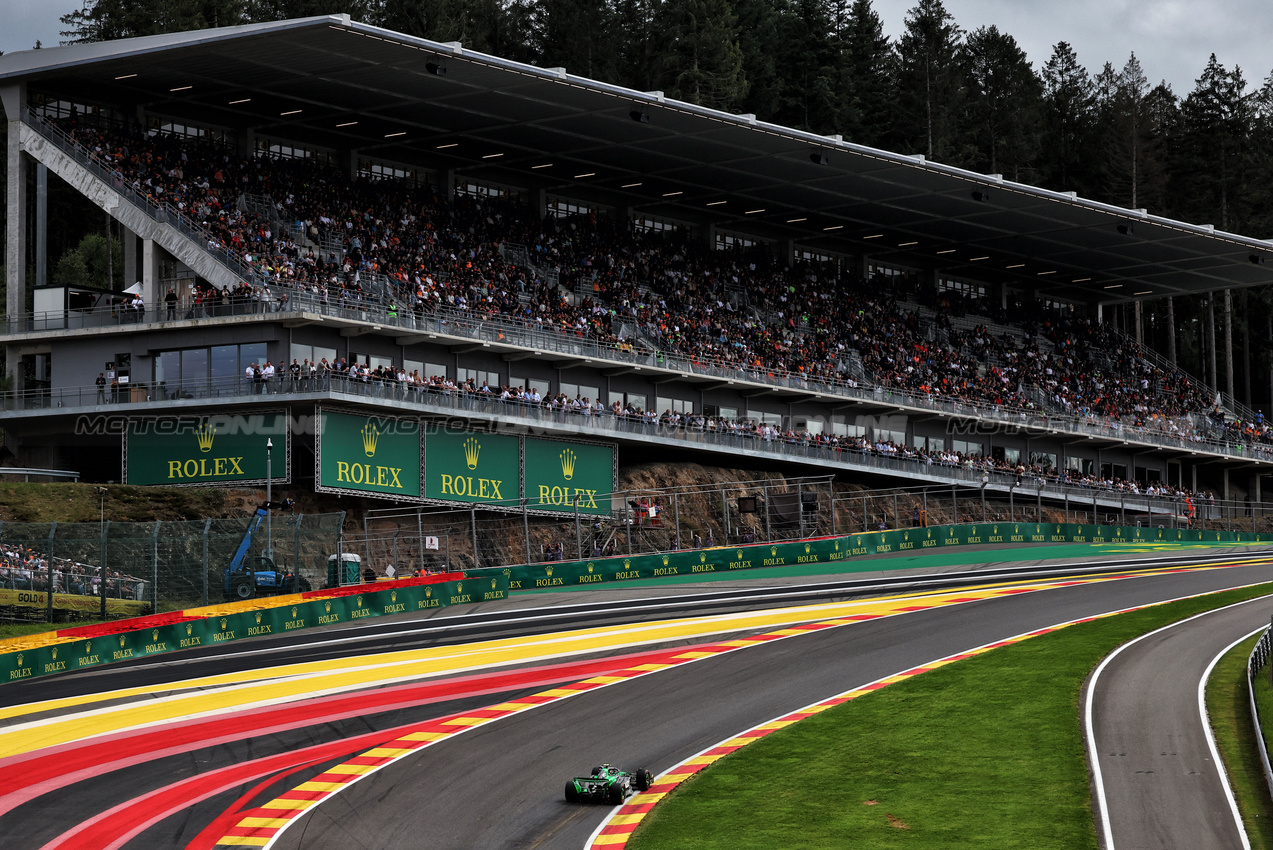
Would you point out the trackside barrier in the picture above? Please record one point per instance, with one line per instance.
(1258, 659)
(830, 550)
(90, 646)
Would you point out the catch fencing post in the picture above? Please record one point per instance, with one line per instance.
(768, 533)
(154, 569)
(101, 584)
(954, 505)
(207, 526)
(526, 528)
(52, 532)
(578, 532)
(676, 518)
(477, 563)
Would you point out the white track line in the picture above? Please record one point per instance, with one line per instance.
(1106, 835)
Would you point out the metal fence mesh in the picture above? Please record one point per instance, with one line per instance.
(169, 564)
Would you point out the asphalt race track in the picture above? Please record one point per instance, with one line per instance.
(1148, 736)
(498, 785)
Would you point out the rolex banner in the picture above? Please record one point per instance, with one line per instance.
(368, 454)
(474, 467)
(561, 475)
(218, 449)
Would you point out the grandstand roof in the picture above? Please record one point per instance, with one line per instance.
(339, 84)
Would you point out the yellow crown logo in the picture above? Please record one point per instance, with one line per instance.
(55, 653)
(740, 553)
(459, 588)
(548, 570)
(471, 450)
(627, 563)
(258, 621)
(773, 551)
(327, 607)
(88, 647)
(155, 634)
(493, 583)
(702, 557)
(428, 593)
(205, 434)
(905, 536)
(189, 629)
(567, 464)
(806, 548)
(665, 560)
(370, 436)
(223, 624)
(19, 659)
(359, 602)
(590, 566)
(996, 529)
(121, 641)
(293, 613)
(837, 547)
(393, 597)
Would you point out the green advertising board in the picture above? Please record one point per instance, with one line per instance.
(217, 449)
(474, 467)
(561, 474)
(368, 454)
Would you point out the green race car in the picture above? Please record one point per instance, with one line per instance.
(607, 784)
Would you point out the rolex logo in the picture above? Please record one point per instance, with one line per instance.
(996, 529)
(19, 659)
(428, 593)
(807, 547)
(88, 647)
(121, 641)
(223, 625)
(205, 434)
(258, 619)
(773, 551)
(370, 436)
(154, 635)
(548, 571)
(471, 450)
(359, 602)
(740, 554)
(55, 653)
(459, 588)
(567, 464)
(393, 597)
(627, 563)
(702, 557)
(590, 567)
(293, 612)
(665, 560)
(905, 536)
(189, 629)
(495, 581)
(327, 607)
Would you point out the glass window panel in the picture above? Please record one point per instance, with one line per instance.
(225, 361)
(168, 366)
(301, 353)
(319, 354)
(194, 367)
(249, 353)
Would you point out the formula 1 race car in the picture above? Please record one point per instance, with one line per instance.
(607, 784)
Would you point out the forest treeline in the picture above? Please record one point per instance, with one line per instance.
(968, 98)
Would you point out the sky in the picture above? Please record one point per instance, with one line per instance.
(1172, 38)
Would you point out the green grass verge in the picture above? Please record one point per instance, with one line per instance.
(12, 630)
(1230, 712)
(987, 752)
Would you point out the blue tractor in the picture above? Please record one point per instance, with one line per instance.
(246, 578)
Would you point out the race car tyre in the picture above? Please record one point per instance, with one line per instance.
(243, 589)
(644, 779)
(616, 794)
(572, 794)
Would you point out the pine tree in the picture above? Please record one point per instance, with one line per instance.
(577, 35)
(701, 61)
(1068, 121)
(1216, 121)
(1003, 102)
(872, 76)
(930, 84)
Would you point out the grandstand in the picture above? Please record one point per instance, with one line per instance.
(324, 219)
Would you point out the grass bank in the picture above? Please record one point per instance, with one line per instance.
(984, 753)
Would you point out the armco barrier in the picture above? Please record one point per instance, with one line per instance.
(831, 550)
(90, 646)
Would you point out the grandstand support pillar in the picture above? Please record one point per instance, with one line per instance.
(150, 275)
(1228, 344)
(207, 527)
(15, 262)
(709, 235)
(1225, 479)
(1171, 330)
(525, 528)
(788, 247)
(154, 569)
(768, 533)
(1067, 507)
(1012, 503)
(129, 241)
(41, 224)
(1211, 337)
(446, 182)
(1100, 314)
(1253, 488)
(539, 202)
(627, 519)
(1193, 475)
(954, 505)
(246, 143)
(1140, 333)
